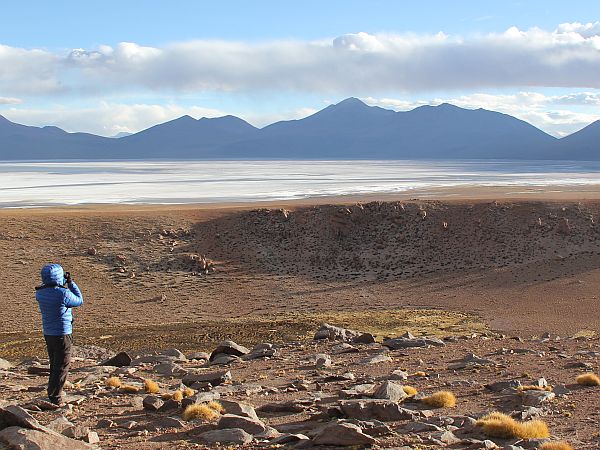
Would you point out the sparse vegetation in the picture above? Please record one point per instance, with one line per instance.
(441, 399)
(130, 389)
(409, 390)
(420, 374)
(114, 382)
(188, 392)
(588, 379)
(177, 396)
(533, 387)
(200, 411)
(503, 426)
(151, 387)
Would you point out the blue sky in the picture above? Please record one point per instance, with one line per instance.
(107, 67)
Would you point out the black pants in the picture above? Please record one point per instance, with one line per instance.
(59, 353)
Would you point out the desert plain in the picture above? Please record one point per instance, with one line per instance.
(511, 277)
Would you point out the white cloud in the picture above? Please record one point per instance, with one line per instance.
(544, 111)
(106, 119)
(10, 101)
(355, 64)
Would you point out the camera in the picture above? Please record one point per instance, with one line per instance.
(68, 276)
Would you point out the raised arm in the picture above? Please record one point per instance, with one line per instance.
(73, 296)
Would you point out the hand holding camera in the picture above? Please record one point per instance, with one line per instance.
(68, 277)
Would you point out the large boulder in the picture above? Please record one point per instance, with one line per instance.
(227, 436)
(13, 415)
(121, 359)
(239, 409)
(390, 391)
(27, 439)
(249, 425)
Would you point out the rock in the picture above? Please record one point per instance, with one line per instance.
(92, 438)
(229, 348)
(530, 412)
(105, 423)
(390, 391)
(536, 398)
(371, 427)
(365, 338)
(561, 390)
(447, 437)
(174, 354)
(13, 415)
(343, 348)
(322, 360)
(239, 409)
(403, 342)
(335, 333)
(264, 350)
(60, 424)
(78, 432)
(213, 378)
(399, 375)
(470, 360)
(200, 397)
(249, 425)
(152, 403)
(198, 356)
(359, 390)
(342, 434)
(375, 359)
(92, 251)
(222, 359)
(22, 438)
(385, 410)
(288, 438)
(162, 423)
(121, 359)
(170, 369)
(346, 376)
(291, 406)
(5, 365)
(88, 351)
(227, 436)
(170, 405)
(499, 386)
(38, 369)
(419, 427)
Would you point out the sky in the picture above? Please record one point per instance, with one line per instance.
(111, 67)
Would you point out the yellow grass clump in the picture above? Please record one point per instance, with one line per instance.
(588, 379)
(113, 382)
(177, 396)
(560, 445)
(129, 389)
(440, 399)
(409, 390)
(533, 387)
(166, 396)
(420, 374)
(500, 425)
(188, 392)
(216, 406)
(200, 411)
(151, 387)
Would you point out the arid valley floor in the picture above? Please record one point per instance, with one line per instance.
(514, 281)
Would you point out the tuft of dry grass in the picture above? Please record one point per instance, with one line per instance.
(503, 426)
(409, 390)
(200, 411)
(151, 387)
(188, 392)
(177, 396)
(419, 374)
(114, 382)
(216, 406)
(440, 399)
(129, 389)
(166, 396)
(559, 445)
(588, 379)
(533, 387)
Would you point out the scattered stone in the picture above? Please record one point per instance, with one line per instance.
(322, 360)
(222, 360)
(60, 424)
(346, 376)
(5, 365)
(359, 390)
(288, 438)
(78, 432)
(536, 398)
(334, 333)
(292, 406)
(365, 338)
(470, 360)
(239, 409)
(375, 359)
(37, 369)
(212, 378)
(13, 415)
(500, 386)
(22, 438)
(409, 342)
(198, 356)
(229, 348)
(399, 375)
(227, 436)
(170, 369)
(385, 410)
(343, 348)
(152, 403)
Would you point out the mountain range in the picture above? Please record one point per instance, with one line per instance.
(347, 130)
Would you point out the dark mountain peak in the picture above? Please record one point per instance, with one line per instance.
(3, 119)
(185, 118)
(351, 102)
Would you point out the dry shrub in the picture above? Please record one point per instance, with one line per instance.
(588, 379)
(130, 389)
(177, 396)
(113, 382)
(188, 392)
(166, 396)
(420, 374)
(560, 445)
(216, 406)
(409, 390)
(440, 399)
(151, 387)
(200, 411)
(502, 426)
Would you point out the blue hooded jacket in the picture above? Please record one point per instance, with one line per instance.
(56, 301)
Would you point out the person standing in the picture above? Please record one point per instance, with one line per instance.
(56, 296)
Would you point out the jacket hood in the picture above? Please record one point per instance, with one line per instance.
(53, 274)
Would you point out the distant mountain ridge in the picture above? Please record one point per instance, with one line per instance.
(347, 130)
